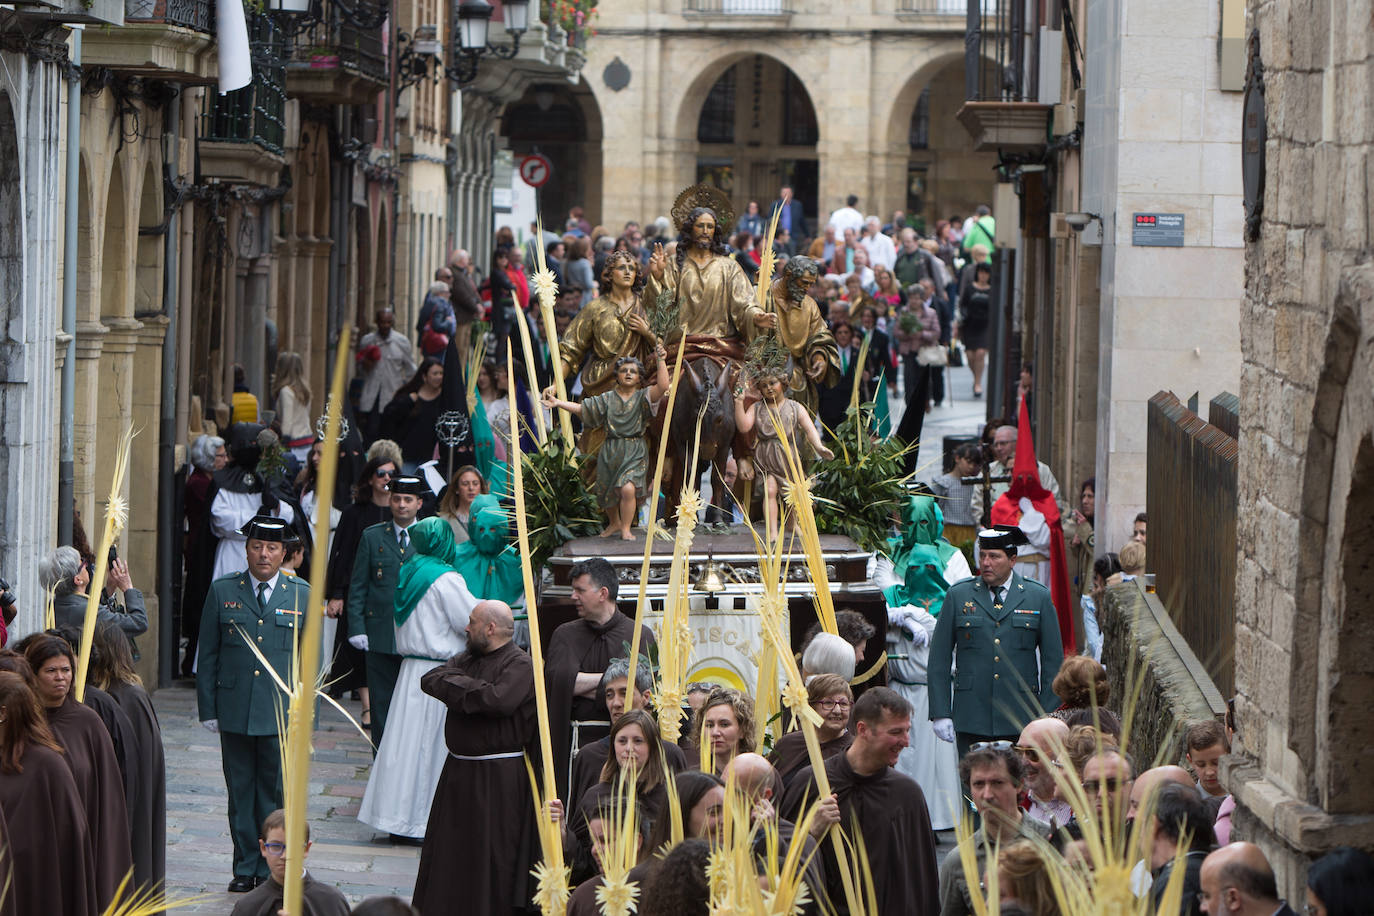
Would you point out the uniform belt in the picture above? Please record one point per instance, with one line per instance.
(426, 658)
(504, 755)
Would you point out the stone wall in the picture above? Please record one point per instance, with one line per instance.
(1158, 684)
(1302, 771)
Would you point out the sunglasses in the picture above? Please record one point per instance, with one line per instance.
(383, 472)
(994, 745)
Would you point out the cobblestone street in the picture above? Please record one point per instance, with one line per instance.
(347, 854)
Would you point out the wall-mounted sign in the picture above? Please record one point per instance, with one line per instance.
(1157, 230)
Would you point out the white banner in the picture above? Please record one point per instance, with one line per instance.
(726, 643)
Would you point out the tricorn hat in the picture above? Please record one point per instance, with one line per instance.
(408, 486)
(704, 195)
(266, 528)
(1001, 537)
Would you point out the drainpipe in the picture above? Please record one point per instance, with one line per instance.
(66, 463)
(167, 468)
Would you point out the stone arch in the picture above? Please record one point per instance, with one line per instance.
(148, 266)
(769, 136)
(1333, 671)
(564, 123)
(949, 174)
(690, 100)
(1347, 787)
(114, 263)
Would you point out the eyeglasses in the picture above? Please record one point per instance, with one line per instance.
(383, 472)
(994, 745)
(1111, 784)
(831, 705)
(276, 849)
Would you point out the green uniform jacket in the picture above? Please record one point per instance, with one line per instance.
(372, 590)
(231, 684)
(998, 687)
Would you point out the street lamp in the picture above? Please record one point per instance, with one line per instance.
(474, 17)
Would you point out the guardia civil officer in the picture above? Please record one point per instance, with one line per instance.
(1001, 632)
(372, 595)
(235, 690)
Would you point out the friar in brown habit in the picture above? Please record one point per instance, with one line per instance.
(47, 855)
(889, 807)
(577, 657)
(90, 754)
(480, 841)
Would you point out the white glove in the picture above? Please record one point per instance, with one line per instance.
(943, 728)
(919, 637)
(358, 642)
(211, 725)
(896, 616)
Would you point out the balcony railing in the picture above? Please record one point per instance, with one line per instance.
(336, 43)
(739, 7)
(938, 7)
(253, 114)
(1001, 51)
(193, 14)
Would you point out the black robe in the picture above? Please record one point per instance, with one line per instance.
(480, 841)
(94, 767)
(579, 646)
(892, 816)
(790, 755)
(346, 663)
(317, 899)
(148, 809)
(52, 855)
(586, 769)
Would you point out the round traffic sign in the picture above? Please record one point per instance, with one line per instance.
(535, 170)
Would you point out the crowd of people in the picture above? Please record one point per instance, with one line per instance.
(983, 714)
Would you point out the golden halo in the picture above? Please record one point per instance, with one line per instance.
(704, 195)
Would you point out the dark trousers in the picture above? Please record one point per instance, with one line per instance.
(382, 671)
(252, 774)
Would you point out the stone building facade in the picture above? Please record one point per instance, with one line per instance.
(1303, 774)
(753, 94)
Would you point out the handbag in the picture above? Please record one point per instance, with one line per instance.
(956, 354)
(432, 343)
(932, 355)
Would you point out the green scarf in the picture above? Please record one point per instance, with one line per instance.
(920, 555)
(432, 539)
(487, 561)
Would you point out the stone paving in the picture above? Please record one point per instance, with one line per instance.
(348, 854)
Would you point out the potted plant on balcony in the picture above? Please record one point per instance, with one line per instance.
(574, 17)
(322, 58)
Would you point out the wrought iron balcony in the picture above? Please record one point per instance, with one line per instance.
(193, 14)
(738, 7)
(1004, 109)
(337, 62)
(249, 117)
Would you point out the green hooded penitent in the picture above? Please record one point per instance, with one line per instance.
(432, 539)
(487, 561)
(919, 557)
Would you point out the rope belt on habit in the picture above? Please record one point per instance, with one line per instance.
(897, 680)
(426, 658)
(504, 755)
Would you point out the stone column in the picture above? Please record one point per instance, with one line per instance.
(139, 547)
